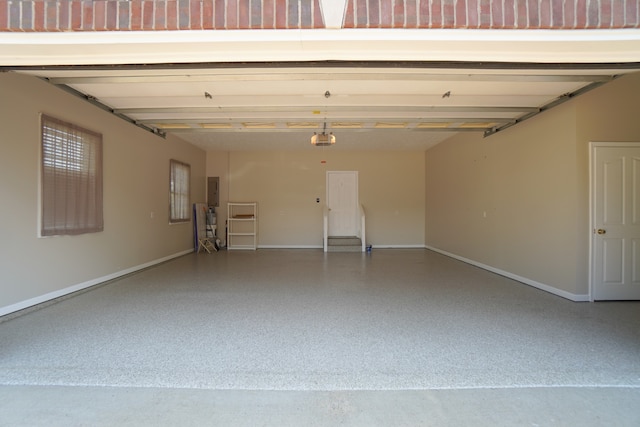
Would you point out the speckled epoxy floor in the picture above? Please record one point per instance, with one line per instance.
(305, 320)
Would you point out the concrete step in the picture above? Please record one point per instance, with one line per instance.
(344, 244)
(344, 241)
(344, 249)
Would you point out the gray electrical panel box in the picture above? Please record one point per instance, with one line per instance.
(213, 191)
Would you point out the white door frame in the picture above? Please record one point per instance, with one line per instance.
(592, 226)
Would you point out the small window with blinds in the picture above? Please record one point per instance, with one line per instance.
(179, 192)
(71, 179)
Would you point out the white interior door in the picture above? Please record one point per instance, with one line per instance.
(342, 201)
(616, 221)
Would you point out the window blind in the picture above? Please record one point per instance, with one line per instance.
(179, 192)
(71, 179)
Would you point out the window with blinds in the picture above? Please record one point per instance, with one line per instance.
(71, 179)
(179, 192)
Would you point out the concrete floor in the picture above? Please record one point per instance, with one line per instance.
(275, 337)
(106, 406)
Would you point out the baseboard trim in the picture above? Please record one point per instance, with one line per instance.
(526, 281)
(320, 246)
(383, 246)
(84, 285)
(290, 247)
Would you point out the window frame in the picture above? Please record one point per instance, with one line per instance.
(179, 198)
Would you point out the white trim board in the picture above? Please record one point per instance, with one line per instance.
(84, 285)
(197, 46)
(538, 285)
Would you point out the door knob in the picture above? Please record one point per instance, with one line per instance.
(601, 231)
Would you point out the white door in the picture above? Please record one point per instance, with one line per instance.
(616, 221)
(342, 201)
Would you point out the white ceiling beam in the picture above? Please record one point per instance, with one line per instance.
(331, 76)
(334, 109)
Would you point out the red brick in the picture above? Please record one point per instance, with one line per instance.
(545, 14)
(196, 15)
(448, 14)
(147, 15)
(306, 14)
(460, 13)
(436, 14)
(581, 13)
(4, 15)
(318, 20)
(593, 15)
(631, 16)
(556, 15)
(13, 17)
(172, 15)
(410, 14)
(38, 16)
(207, 14)
(509, 14)
(112, 15)
(605, 14)
(232, 14)
(617, 15)
(473, 17)
(87, 15)
(124, 19)
(219, 14)
(255, 14)
(349, 20)
(100, 15)
(374, 14)
(398, 14)
(385, 11)
(76, 15)
(522, 18)
(497, 16)
(485, 14)
(184, 14)
(136, 15)
(569, 15)
(361, 14)
(63, 15)
(160, 15)
(243, 14)
(293, 14)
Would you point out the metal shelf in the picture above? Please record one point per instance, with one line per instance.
(242, 230)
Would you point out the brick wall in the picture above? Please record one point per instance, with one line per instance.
(494, 14)
(154, 15)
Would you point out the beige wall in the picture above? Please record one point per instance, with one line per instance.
(532, 182)
(136, 176)
(286, 185)
(610, 114)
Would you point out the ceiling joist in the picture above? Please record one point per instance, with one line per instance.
(405, 98)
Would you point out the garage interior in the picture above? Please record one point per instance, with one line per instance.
(463, 164)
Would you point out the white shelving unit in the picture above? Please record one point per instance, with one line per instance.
(242, 231)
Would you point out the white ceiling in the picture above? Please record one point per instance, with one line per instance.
(405, 102)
